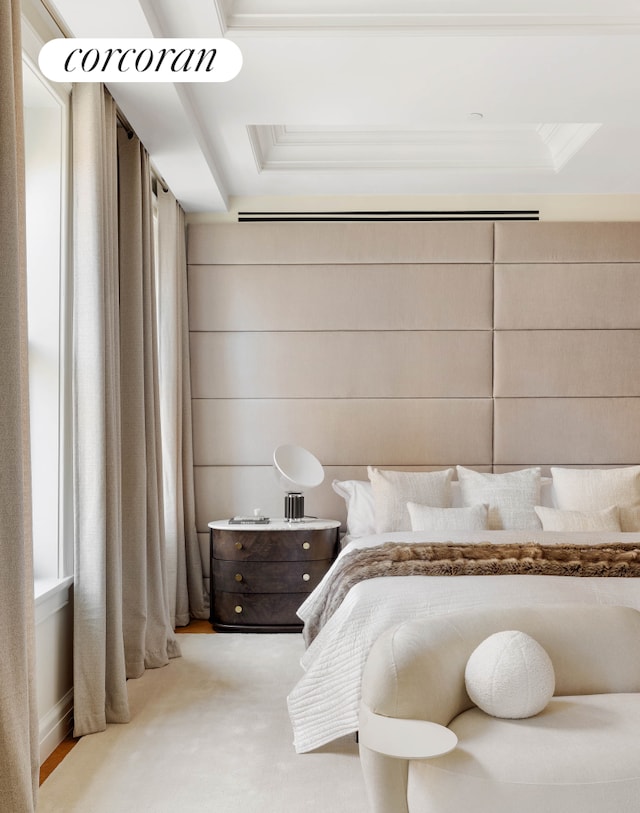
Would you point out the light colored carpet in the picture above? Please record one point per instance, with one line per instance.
(210, 732)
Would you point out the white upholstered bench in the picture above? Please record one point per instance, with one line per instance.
(580, 754)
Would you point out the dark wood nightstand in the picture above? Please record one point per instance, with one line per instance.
(261, 574)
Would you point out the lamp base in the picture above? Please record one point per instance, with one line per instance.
(293, 506)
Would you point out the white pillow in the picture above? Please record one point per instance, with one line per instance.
(425, 518)
(358, 496)
(510, 675)
(596, 489)
(511, 497)
(456, 495)
(555, 519)
(392, 490)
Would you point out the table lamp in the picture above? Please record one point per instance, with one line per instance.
(296, 469)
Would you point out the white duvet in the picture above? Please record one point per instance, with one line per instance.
(323, 705)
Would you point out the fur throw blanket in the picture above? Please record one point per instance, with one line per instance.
(483, 559)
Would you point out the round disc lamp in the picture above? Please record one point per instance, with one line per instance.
(296, 469)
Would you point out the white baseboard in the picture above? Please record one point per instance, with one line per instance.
(55, 725)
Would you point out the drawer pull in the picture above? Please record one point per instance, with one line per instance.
(305, 577)
(238, 577)
(306, 545)
(238, 545)
(238, 608)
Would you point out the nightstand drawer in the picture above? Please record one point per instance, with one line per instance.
(259, 609)
(268, 577)
(286, 546)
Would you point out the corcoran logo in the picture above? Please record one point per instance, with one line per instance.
(140, 60)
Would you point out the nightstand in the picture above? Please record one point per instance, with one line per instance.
(261, 574)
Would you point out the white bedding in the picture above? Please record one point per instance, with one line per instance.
(324, 703)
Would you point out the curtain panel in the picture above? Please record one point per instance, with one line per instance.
(187, 595)
(19, 751)
(121, 607)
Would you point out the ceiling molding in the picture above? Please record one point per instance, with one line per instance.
(435, 113)
(437, 17)
(524, 147)
(565, 140)
(190, 108)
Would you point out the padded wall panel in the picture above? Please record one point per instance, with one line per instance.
(555, 242)
(545, 469)
(567, 431)
(565, 296)
(561, 363)
(341, 297)
(341, 364)
(225, 490)
(401, 431)
(222, 491)
(349, 242)
(369, 343)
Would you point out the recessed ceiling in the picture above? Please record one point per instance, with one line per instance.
(362, 97)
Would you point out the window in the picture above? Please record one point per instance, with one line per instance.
(46, 110)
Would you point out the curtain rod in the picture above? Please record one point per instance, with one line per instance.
(124, 123)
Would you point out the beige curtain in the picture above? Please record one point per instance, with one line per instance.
(121, 612)
(18, 711)
(187, 593)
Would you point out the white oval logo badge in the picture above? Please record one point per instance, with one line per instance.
(97, 59)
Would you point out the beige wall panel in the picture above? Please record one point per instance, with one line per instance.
(567, 431)
(544, 242)
(352, 364)
(545, 470)
(401, 431)
(599, 296)
(342, 297)
(373, 242)
(222, 491)
(574, 363)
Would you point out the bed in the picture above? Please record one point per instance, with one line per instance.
(590, 511)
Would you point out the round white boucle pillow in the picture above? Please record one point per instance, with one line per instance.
(510, 675)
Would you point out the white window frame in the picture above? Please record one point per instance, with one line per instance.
(52, 494)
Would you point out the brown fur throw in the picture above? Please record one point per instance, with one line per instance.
(482, 559)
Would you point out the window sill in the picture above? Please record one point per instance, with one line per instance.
(44, 588)
(51, 595)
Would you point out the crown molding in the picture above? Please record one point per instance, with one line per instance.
(526, 17)
(541, 147)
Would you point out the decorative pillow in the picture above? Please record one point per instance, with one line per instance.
(358, 496)
(595, 489)
(554, 519)
(511, 497)
(425, 518)
(510, 675)
(392, 490)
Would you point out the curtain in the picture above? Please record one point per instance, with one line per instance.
(121, 619)
(187, 594)
(18, 710)
(148, 632)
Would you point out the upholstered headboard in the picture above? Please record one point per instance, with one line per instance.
(408, 345)
(566, 344)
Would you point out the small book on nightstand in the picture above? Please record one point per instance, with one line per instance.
(249, 521)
